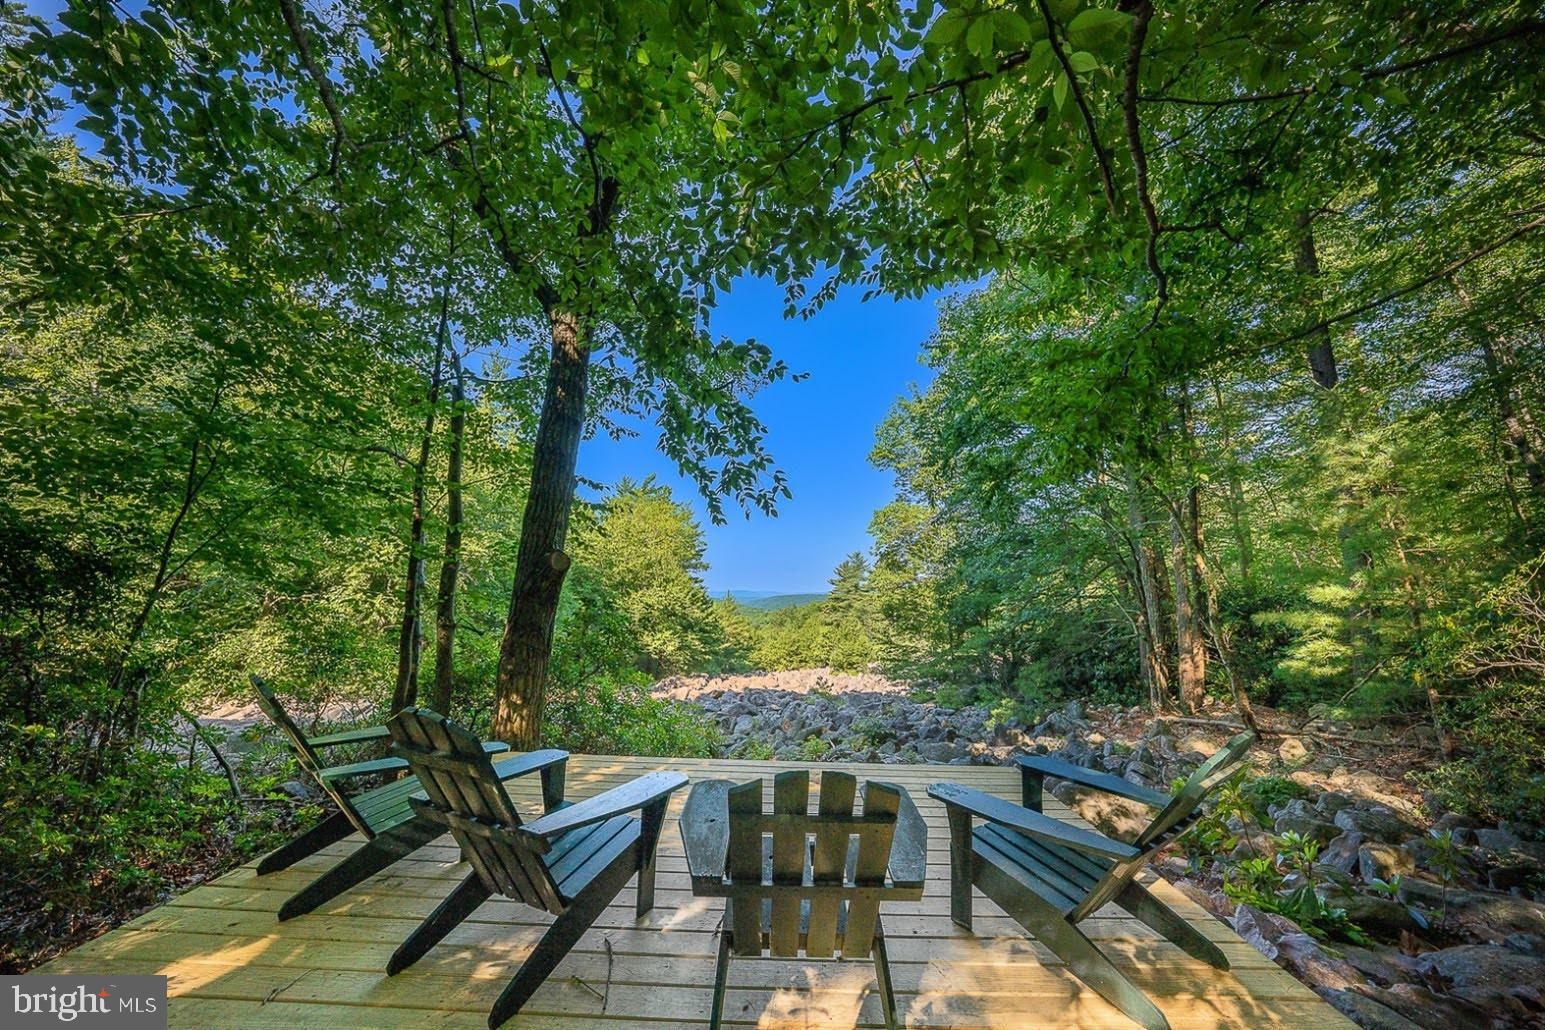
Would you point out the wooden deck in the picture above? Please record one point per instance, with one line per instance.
(232, 964)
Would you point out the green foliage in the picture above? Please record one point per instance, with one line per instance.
(813, 748)
(607, 718)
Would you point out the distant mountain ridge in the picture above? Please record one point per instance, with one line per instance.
(769, 601)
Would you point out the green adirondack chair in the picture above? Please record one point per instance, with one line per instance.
(382, 815)
(795, 882)
(571, 861)
(1049, 876)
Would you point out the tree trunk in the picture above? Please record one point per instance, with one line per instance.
(450, 562)
(1518, 430)
(1322, 354)
(1190, 649)
(526, 650)
(410, 634)
(1150, 645)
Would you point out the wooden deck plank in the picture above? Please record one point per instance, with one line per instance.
(232, 964)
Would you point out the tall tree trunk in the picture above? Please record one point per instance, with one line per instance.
(1518, 429)
(1190, 648)
(1244, 541)
(1150, 645)
(410, 633)
(1322, 354)
(450, 562)
(526, 651)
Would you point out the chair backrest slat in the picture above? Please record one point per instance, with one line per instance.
(791, 797)
(743, 865)
(871, 856)
(1172, 820)
(829, 859)
(305, 755)
(818, 879)
(459, 780)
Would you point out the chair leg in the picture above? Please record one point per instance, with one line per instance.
(458, 905)
(653, 819)
(329, 831)
(1156, 914)
(369, 859)
(561, 937)
(721, 977)
(1084, 960)
(960, 866)
(882, 972)
(1089, 964)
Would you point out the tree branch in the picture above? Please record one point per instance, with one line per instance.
(1107, 176)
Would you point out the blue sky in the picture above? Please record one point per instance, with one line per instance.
(860, 357)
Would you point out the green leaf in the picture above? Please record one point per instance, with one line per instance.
(947, 28)
(979, 37)
(1097, 26)
(1083, 61)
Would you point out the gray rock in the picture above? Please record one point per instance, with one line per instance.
(1483, 914)
(1428, 1009)
(1376, 822)
(1382, 964)
(1314, 829)
(1366, 1012)
(1330, 802)
(1376, 861)
(296, 789)
(744, 725)
(1525, 944)
(1480, 970)
(1292, 750)
(1342, 852)
(1500, 841)
(1382, 917)
(941, 751)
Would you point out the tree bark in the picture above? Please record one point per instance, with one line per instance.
(410, 633)
(526, 651)
(1190, 647)
(1150, 643)
(450, 562)
(1322, 353)
(1518, 429)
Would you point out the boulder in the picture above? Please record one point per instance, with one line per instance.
(1500, 841)
(1382, 917)
(1428, 1009)
(1478, 971)
(942, 751)
(1330, 802)
(1483, 914)
(1314, 829)
(1381, 964)
(1292, 750)
(1341, 853)
(1366, 1012)
(1376, 861)
(1375, 822)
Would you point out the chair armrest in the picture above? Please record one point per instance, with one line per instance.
(351, 736)
(530, 762)
(648, 789)
(375, 765)
(705, 832)
(908, 866)
(1032, 824)
(1037, 765)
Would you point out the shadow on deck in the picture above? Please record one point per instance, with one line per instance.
(232, 964)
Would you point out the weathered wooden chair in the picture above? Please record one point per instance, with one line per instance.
(1049, 876)
(571, 861)
(799, 882)
(383, 815)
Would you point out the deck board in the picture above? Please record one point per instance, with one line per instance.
(232, 964)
